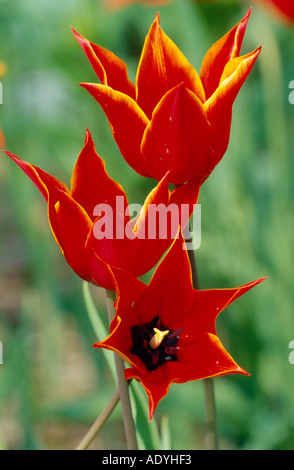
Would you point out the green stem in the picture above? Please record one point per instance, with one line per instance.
(210, 441)
(97, 425)
(129, 426)
(210, 408)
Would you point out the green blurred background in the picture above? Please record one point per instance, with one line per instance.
(52, 382)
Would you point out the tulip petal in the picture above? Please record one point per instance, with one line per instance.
(120, 337)
(49, 187)
(219, 106)
(220, 53)
(162, 67)
(177, 138)
(127, 122)
(208, 304)
(74, 227)
(45, 182)
(158, 196)
(185, 197)
(158, 223)
(110, 70)
(90, 183)
(110, 243)
(206, 358)
(174, 297)
(154, 391)
(130, 244)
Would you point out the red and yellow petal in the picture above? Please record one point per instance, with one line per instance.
(74, 226)
(120, 342)
(134, 245)
(45, 182)
(155, 392)
(127, 122)
(50, 188)
(110, 70)
(218, 107)
(128, 289)
(163, 66)
(220, 53)
(90, 183)
(208, 304)
(109, 241)
(178, 138)
(159, 220)
(170, 292)
(206, 358)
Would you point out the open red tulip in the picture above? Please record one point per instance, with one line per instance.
(172, 119)
(166, 330)
(92, 224)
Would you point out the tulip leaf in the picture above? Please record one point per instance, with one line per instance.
(165, 434)
(147, 431)
(98, 327)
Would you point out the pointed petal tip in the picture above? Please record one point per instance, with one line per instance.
(88, 137)
(151, 413)
(261, 279)
(76, 34)
(88, 85)
(248, 14)
(257, 51)
(13, 157)
(240, 370)
(245, 18)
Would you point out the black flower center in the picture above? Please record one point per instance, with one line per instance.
(155, 343)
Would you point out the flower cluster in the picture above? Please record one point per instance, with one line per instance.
(171, 125)
(179, 120)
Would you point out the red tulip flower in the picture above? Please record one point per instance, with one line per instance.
(79, 217)
(166, 330)
(171, 119)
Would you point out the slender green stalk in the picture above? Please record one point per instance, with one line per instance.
(99, 422)
(129, 426)
(210, 408)
(210, 441)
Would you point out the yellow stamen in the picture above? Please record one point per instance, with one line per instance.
(157, 339)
